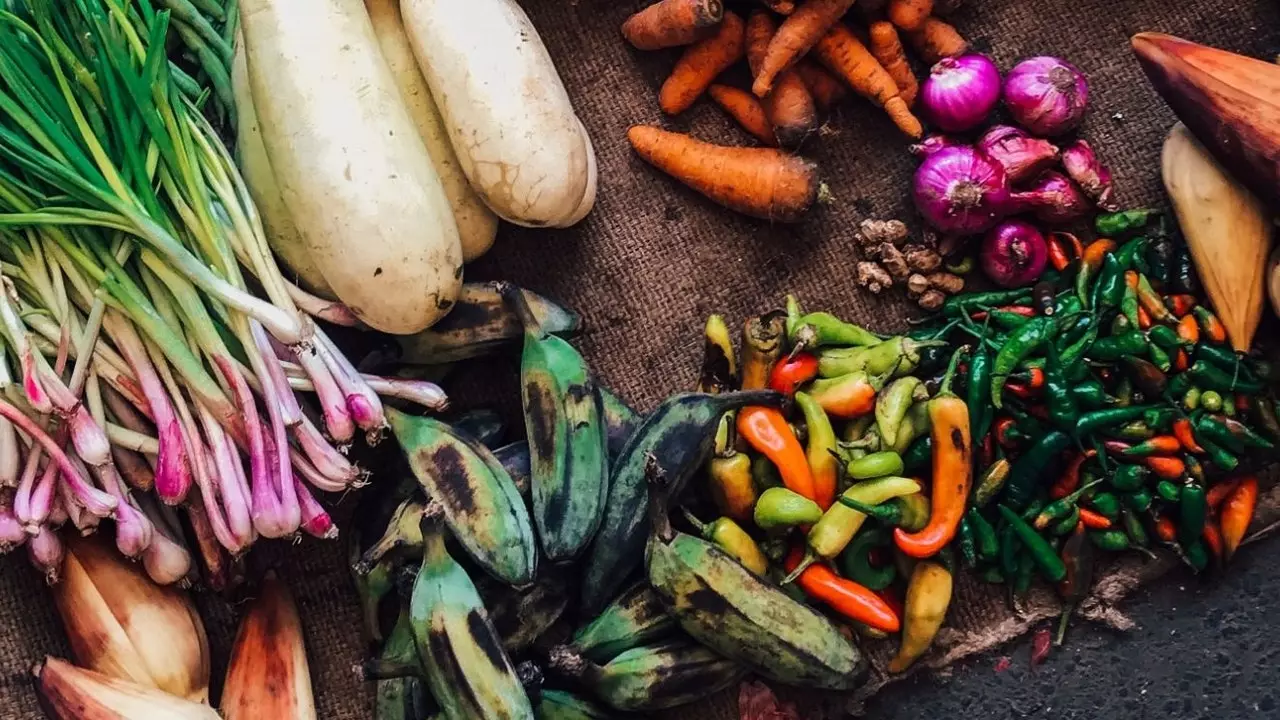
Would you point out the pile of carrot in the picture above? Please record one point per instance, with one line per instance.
(803, 57)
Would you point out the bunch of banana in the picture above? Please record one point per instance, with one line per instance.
(736, 613)
(402, 698)
(679, 433)
(652, 677)
(469, 673)
(636, 617)
(568, 456)
(480, 502)
(482, 323)
(521, 617)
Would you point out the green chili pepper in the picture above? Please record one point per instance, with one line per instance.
(1209, 429)
(1068, 305)
(1034, 508)
(793, 315)
(1243, 433)
(1128, 478)
(1184, 278)
(963, 267)
(1106, 504)
(1117, 346)
(1262, 410)
(1072, 328)
(892, 404)
(968, 545)
(1121, 325)
(1113, 540)
(764, 474)
(1179, 384)
(1165, 336)
(1192, 510)
(909, 512)
(1022, 343)
(1028, 472)
(992, 576)
(1044, 555)
(986, 539)
(1108, 418)
(822, 329)
(1138, 500)
(1009, 547)
(1191, 399)
(1074, 355)
(976, 394)
(1229, 406)
(1119, 223)
(1026, 573)
(1091, 394)
(1006, 320)
(1160, 260)
(1058, 399)
(1168, 491)
(1197, 555)
(1213, 378)
(1195, 470)
(1161, 419)
(919, 455)
(991, 482)
(1059, 509)
(958, 305)
(1221, 458)
(1136, 430)
(1159, 357)
(898, 355)
(779, 507)
(1227, 361)
(1129, 306)
(1108, 291)
(855, 560)
(1068, 523)
(1126, 253)
(875, 465)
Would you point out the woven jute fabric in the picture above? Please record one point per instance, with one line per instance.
(653, 259)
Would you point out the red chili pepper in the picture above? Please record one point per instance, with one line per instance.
(790, 373)
(1220, 491)
(1167, 468)
(1188, 330)
(1180, 305)
(767, 430)
(1094, 520)
(1001, 433)
(1242, 403)
(1144, 319)
(988, 451)
(892, 598)
(1181, 360)
(1186, 436)
(1041, 643)
(1057, 253)
(1018, 390)
(1077, 247)
(844, 596)
(1210, 325)
(1023, 310)
(1166, 529)
(1069, 481)
(1038, 411)
(1118, 448)
(1158, 445)
(1213, 538)
(1036, 380)
(1237, 513)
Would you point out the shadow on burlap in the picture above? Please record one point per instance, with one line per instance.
(653, 260)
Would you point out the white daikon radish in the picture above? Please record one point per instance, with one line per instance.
(477, 225)
(255, 167)
(351, 167)
(505, 108)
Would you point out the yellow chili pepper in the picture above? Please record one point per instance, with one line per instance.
(928, 596)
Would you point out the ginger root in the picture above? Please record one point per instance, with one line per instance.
(922, 259)
(932, 299)
(893, 261)
(872, 233)
(946, 282)
(871, 276)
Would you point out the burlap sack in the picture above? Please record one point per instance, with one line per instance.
(653, 260)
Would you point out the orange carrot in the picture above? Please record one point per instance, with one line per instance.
(845, 55)
(701, 62)
(887, 47)
(670, 23)
(743, 107)
(762, 182)
(798, 34)
(782, 7)
(760, 30)
(789, 106)
(825, 89)
(1237, 513)
(910, 15)
(936, 40)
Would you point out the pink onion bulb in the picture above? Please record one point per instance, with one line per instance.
(960, 191)
(1014, 254)
(960, 92)
(1046, 95)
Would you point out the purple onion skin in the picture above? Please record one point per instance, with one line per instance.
(960, 191)
(1083, 166)
(1053, 198)
(931, 145)
(960, 92)
(1014, 254)
(1022, 156)
(1046, 95)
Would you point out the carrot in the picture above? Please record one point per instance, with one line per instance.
(761, 182)
(936, 40)
(701, 62)
(743, 107)
(910, 15)
(798, 34)
(782, 7)
(887, 47)
(825, 89)
(845, 55)
(789, 106)
(670, 23)
(1237, 513)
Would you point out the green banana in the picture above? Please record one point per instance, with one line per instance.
(636, 617)
(483, 424)
(521, 617)
(620, 421)
(652, 677)
(399, 656)
(680, 433)
(561, 705)
(569, 459)
(731, 610)
(402, 535)
(402, 698)
(373, 586)
(480, 502)
(468, 672)
(481, 323)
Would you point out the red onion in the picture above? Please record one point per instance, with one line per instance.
(1083, 166)
(1022, 156)
(1053, 198)
(1046, 95)
(1014, 254)
(960, 191)
(931, 145)
(960, 92)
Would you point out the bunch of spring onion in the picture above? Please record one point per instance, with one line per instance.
(150, 343)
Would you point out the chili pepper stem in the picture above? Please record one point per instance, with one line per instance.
(1063, 622)
(810, 558)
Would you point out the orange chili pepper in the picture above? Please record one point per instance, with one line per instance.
(1131, 278)
(848, 396)
(1181, 360)
(1157, 445)
(1220, 491)
(1151, 302)
(1166, 530)
(1036, 381)
(790, 373)
(1186, 436)
(1069, 481)
(844, 596)
(1237, 513)
(1210, 326)
(767, 430)
(1093, 254)
(952, 472)
(1057, 253)
(1167, 468)
(1094, 520)
(1180, 305)
(1188, 330)
(1144, 319)
(1077, 247)
(1213, 539)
